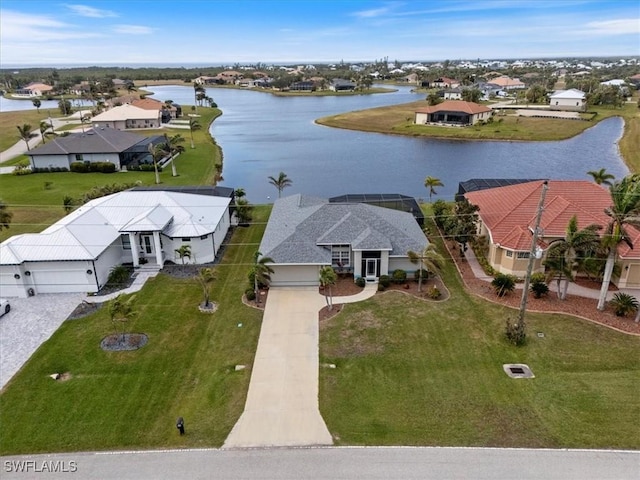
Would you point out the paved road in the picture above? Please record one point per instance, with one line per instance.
(333, 463)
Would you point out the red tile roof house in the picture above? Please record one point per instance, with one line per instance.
(508, 214)
(453, 112)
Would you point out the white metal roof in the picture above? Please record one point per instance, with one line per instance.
(126, 112)
(85, 233)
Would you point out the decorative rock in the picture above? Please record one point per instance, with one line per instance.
(55, 376)
(329, 365)
(240, 367)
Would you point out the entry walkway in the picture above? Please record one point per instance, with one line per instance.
(282, 402)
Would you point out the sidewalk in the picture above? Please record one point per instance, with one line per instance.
(136, 286)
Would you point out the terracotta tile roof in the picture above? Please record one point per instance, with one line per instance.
(509, 212)
(149, 104)
(455, 106)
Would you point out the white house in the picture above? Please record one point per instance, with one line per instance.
(136, 226)
(305, 233)
(572, 99)
(126, 117)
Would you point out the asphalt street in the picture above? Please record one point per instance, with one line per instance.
(383, 463)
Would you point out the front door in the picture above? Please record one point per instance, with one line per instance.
(146, 244)
(371, 268)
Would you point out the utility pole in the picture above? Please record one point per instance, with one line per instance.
(532, 257)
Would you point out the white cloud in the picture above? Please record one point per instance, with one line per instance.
(622, 26)
(86, 11)
(21, 27)
(133, 29)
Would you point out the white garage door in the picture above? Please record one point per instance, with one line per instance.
(295, 275)
(59, 281)
(8, 287)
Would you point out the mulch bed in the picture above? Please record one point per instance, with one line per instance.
(572, 305)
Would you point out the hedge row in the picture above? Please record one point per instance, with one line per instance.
(101, 167)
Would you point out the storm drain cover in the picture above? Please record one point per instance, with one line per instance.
(518, 370)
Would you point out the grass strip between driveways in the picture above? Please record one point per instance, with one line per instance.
(410, 372)
(130, 400)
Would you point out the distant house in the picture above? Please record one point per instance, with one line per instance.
(306, 233)
(34, 89)
(95, 145)
(617, 82)
(77, 253)
(125, 117)
(574, 100)
(507, 83)
(445, 82)
(342, 85)
(166, 113)
(205, 80)
(635, 80)
(508, 214)
(453, 112)
(453, 94)
(302, 86)
(228, 77)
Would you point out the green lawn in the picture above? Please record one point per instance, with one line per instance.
(131, 399)
(424, 373)
(35, 207)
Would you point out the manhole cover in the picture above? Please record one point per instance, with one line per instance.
(518, 370)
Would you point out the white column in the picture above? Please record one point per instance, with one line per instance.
(134, 249)
(158, 247)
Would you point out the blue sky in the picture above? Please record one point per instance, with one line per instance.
(210, 32)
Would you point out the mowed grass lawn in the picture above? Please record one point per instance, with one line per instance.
(411, 372)
(36, 205)
(132, 399)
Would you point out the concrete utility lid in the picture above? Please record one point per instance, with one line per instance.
(518, 370)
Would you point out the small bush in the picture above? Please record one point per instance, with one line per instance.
(119, 275)
(503, 284)
(360, 281)
(515, 333)
(434, 293)
(21, 170)
(250, 294)
(79, 167)
(399, 276)
(381, 287)
(538, 286)
(624, 304)
(384, 280)
(425, 275)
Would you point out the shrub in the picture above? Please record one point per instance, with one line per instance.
(102, 167)
(434, 292)
(250, 294)
(399, 276)
(425, 275)
(503, 284)
(360, 281)
(515, 333)
(624, 304)
(79, 167)
(21, 170)
(441, 210)
(538, 286)
(384, 280)
(119, 275)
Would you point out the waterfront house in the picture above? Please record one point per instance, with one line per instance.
(452, 112)
(572, 99)
(125, 117)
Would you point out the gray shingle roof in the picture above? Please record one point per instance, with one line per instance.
(95, 140)
(301, 228)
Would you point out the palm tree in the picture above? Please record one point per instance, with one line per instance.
(429, 259)
(172, 147)
(5, 216)
(193, 126)
(205, 277)
(37, 103)
(625, 210)
(601, 177)
(157, 153)
(120, 311)
(431, 183)
(563, 256)
(240, 193)
(183, 252)
(25, 133)
(261, 272)
(44, 126)
(328, 278)
(281, 182)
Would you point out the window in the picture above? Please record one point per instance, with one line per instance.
(186, 239)
(79, 157)
(204, 237)
(126, 241)
(523, 254)
(340, 256)
(509, 253)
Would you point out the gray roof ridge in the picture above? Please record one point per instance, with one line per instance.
(335, 225)
(107, 140)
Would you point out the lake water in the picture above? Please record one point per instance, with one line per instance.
(261, 135)
(9, 105)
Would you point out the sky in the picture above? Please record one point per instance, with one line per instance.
(225, 32)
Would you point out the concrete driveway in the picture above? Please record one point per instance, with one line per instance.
(28, 325)
(282, 402)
